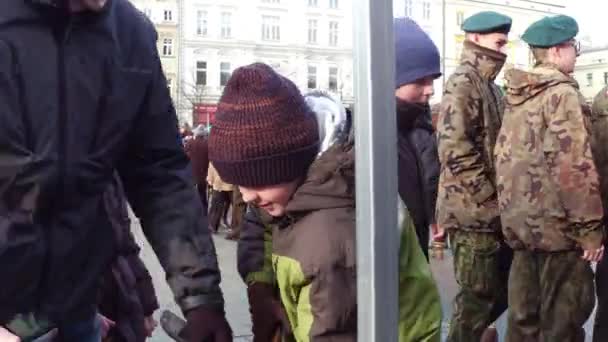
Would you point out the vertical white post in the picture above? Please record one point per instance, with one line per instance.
(376, 171)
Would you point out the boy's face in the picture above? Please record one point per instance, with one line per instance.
(273, 199)
(419, 91)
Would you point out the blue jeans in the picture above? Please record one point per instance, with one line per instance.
(87, 330)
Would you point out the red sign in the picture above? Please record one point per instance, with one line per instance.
(204, 113)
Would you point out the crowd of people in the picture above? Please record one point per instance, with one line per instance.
(515, 179)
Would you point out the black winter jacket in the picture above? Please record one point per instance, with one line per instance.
(418, 166)
(82, 95)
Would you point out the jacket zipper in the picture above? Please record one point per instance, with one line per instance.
(63, 108)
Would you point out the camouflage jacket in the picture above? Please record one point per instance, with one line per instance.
(599, 142)
(468, 123)
(547, 181)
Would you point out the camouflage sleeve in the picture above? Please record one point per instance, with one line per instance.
(599, 142)
(571, 167)
(458, 114)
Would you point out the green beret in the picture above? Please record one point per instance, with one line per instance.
(487, 22)
(551, 31)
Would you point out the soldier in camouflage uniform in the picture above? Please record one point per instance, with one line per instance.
(599, 142)
(548, 191)
(469, 120)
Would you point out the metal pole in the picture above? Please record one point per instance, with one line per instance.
(376, 171)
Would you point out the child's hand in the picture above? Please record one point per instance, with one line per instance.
(7, 336)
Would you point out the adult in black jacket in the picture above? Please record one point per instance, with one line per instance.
(417, 66)
(82, 93)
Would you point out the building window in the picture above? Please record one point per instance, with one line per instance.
(333, 79)
(333, 4)
(459, 18)
(426, 10)
(167, 47)
(168, 15)
(271, 28)
(606, 78)
(201, 73)
(169, 85)
(201, 23)
(313, 3)
(226, 25)
(224, 73)
(589, 80)
(409, 8)
(312, 77)
(148, 12)
(333, 33)
(312, 31)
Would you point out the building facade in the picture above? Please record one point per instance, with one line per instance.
(592, 71)
(308, 41)
(165, 16)
(442, 19)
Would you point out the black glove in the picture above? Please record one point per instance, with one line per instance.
(267, 314)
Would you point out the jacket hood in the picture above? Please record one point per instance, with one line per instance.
(522, 85)
(329, 184)
(331, 118)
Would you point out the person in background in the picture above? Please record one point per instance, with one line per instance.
(417, 67)
(469, 120)
(196, 149)
(549, 191)
(599, 148)
(239, 207)
(221, 194)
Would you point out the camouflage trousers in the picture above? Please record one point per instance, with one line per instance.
(481, 266)
(551, 296)
(600, 327)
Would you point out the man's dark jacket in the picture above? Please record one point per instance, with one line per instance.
(127, 295)
(418, 166)
(80, 96)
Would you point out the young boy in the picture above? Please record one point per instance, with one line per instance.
(266, 140)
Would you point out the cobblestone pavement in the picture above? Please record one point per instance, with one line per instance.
(236, 296)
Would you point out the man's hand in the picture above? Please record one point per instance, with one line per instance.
(149, 325)
(205, 325)
(594, 255)
(7, 336)
(437, 232)
(106, 325)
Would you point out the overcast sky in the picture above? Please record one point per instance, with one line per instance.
(592, 17)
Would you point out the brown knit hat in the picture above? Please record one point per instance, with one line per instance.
(263, 133)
